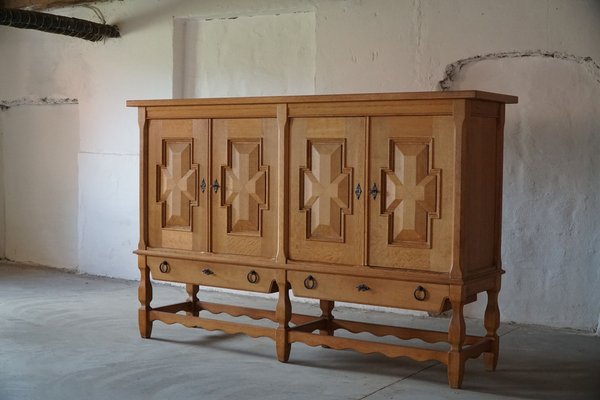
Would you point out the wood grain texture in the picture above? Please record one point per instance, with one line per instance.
(283, 315)
(144, 190)
(216, 275)
(192, 299)
(411, 216)
(379, 199)
(326, 220)
(492, 323)
(458, 94)
(176, 168)
(368, 347)
(145, 298)
(244, 165)
(367, 290)
(456, 338)
(212, 324)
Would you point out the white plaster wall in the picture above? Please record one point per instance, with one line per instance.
(242, 56)
(551, 235)
(2, 210)
(40, 173)
(360, 46)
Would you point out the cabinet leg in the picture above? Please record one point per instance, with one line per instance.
(456, 338)
(327, 314)
(145, 297)
(492, 323)
(192, 292)
(283, 314)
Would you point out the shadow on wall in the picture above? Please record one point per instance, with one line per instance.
(551, 220)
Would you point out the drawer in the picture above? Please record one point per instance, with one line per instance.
(364, 290)
(210, 274)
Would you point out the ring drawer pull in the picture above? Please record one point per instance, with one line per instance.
(164, 267)
(207, 271)
(310, 282)
(420, 293)
(363, 288)
(252, 277)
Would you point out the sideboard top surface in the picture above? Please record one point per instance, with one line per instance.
(461, 94)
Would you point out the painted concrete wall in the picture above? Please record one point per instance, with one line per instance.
(2, 208)
(551, 204)
(40, 181)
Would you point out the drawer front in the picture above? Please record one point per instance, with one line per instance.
(374, 291)
(209, 274)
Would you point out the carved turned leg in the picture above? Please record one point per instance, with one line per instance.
(283, 314)
(327, 314)
(145, 297)
(192, 292)
(491, 323)
(456, 338)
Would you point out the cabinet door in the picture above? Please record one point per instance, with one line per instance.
(410, 219)
(244, 164)
(326, 220)
(177, 165)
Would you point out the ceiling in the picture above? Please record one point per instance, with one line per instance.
(41, 4)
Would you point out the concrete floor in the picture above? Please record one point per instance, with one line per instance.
(66, 336)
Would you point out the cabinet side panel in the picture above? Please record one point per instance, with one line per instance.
(480, 197)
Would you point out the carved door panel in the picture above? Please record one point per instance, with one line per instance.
(177, 199)
(327, 190)
(244, 166)
(411, 211)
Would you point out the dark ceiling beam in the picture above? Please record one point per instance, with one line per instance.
(42, 4)
(58, 24)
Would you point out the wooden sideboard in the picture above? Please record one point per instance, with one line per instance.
(381, 199)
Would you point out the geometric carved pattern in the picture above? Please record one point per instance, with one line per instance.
(177, 178)
(326, 190)
(245, 186)
(411, 192)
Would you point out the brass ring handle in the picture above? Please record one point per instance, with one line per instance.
(252, 277)
(363, 288)
(164, 267)
(420, 293)
(310, 282)
(207, 271)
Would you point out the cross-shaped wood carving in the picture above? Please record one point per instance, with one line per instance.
(326, 190)
(411, 191)
(245, 187)
(177, 186)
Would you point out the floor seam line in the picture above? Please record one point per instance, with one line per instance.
(398, 381)
(511, 331)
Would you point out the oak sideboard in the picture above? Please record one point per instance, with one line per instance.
(390, 199)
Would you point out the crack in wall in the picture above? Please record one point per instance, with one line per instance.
(36, 101)
(453, 69)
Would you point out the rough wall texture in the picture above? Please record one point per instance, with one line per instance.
(40, 180)
(2, 208)
(551, 204)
